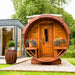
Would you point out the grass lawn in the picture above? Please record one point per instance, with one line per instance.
(34, 73)
(71, 60)
(4, 65)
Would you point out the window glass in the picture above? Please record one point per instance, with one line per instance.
(46, 35)
(7, 35)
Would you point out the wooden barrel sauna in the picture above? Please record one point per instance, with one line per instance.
(11, 56)
(44, 29)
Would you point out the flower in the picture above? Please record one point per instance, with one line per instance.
(62, 39)
(52, 38)
(29, 38)
(26, 39)
(58, 41)
(32, 38)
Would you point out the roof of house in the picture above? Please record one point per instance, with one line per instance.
(11, 22)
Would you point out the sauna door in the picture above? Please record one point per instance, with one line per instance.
(46, 42)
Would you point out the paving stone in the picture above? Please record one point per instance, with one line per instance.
(27, 66)
(19, 60)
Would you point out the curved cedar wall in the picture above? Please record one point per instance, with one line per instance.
(34, 30)
(33, 33)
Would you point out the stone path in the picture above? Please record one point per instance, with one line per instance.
(19, 60)
(27, 66)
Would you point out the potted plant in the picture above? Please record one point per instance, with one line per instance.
(11, 54)
(58, 41)
(11, 45)
(30, 43)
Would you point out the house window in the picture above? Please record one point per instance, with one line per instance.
(46, 35)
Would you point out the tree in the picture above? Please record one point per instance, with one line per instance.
(68, 19)
(72, 28)
(25, 8)
(18, 3)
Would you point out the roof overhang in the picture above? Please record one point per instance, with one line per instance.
(50, 17)
(11, 22)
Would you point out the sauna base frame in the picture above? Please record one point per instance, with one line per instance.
(56, 62)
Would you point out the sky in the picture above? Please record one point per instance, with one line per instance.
(70, 8)
(7, 9)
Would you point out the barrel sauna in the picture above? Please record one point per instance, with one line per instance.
(44, 29)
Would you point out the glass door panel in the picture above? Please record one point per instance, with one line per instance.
(7, 35)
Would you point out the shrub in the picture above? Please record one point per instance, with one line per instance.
(70, 52)
(11, 44)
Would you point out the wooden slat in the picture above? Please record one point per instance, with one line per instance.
(55, 52)
(31, 52)
(38, 40)
(59, 53)
(31, 48)
(60, 48)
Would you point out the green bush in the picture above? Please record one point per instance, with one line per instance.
(70, 52)
(72, 41)
(11, 44)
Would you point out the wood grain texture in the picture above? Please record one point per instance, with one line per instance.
(46, 47)
(46, 51)
(11, 56)
(31, 49)
(56, 62)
